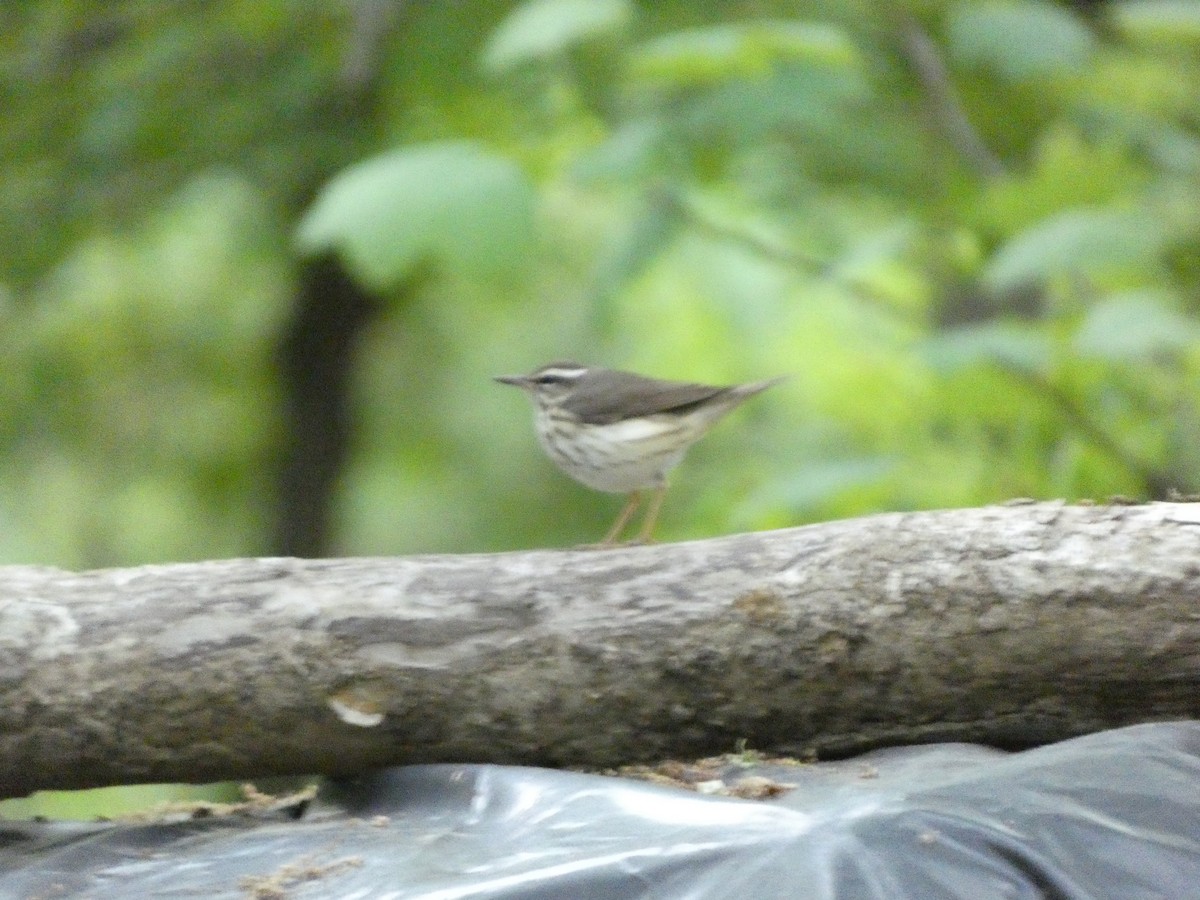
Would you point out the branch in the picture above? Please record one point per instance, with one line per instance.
(945, 107)
(1007, 625)
(776, 252)
(1157, 483)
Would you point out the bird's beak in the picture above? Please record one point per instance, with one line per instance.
(521, 381)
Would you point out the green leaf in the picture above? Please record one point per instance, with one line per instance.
(997, 343)
(707, 55)
(1089, 240)
(1172, 147)
(635, 249)
(1134, 325)
(628, 153)
(1067, 170)
(1158, 21)
(455, 204)
(1021, 41)
(541, 28)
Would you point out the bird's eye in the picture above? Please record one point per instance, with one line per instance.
(549, 378)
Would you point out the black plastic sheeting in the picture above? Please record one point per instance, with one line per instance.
(1112, 815)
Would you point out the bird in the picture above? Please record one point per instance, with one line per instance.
(623, 433)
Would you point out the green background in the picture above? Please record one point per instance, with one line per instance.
(969, 231)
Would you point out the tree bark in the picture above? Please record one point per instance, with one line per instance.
(1009, 625)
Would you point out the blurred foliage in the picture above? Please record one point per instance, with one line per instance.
(450, 204)
(970, 231)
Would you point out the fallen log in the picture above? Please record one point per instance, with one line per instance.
(1011, 626)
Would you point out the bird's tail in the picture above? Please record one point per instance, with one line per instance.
(733, 397)
(746, 391)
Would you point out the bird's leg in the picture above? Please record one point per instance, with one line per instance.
(631, 505)
(651, 519)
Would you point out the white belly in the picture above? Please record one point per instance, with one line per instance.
(625, 456)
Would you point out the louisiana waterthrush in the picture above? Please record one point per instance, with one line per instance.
(622, 433)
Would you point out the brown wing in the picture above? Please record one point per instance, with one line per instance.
(609, 396)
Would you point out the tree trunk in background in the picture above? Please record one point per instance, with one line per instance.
(317, 353)
(317, 361)
(1010, 626)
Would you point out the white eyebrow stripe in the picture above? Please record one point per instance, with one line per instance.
(560, 373)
